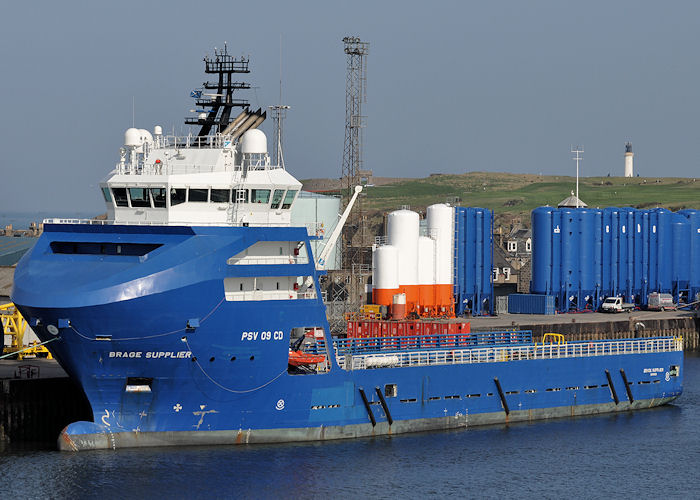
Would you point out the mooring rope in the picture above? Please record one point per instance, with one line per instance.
(28, 348)
(194, 358)
(206, 316)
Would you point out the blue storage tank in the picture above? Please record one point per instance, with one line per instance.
(693, 217)
(522, 303)
(598, 260)
(653, 238)
(632, 293)
(664, 251)
(611, 251)
(625, 259)
(569, 291)
(680, 267)
(580, 256)
(587, 257)
(473, 284)
(542, 228)
(641, 255)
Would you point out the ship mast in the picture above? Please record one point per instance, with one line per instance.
(215, 109)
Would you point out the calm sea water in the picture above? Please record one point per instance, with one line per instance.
(649, 454)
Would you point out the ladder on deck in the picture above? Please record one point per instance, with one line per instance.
(238, 197)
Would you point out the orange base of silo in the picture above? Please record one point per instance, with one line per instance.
(384, 296)
(435, 301)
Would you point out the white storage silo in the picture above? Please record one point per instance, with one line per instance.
(385, 274)
(402, 232)
(426, 274)
(440, 218)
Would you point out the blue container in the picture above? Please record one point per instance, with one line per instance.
(473, 285)
(522, 303)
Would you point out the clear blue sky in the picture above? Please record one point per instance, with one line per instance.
(452, 86)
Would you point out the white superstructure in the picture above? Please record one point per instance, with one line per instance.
(186, 180)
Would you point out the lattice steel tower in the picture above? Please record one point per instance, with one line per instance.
(355, 95)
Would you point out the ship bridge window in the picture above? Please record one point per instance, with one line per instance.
(177, 196)
(139, 197)
(120, 197)
(198, 195)
(277, 198)
(240, 196)
(220, 195)
(260, 196)
(158, 197)
(107, 195)
(289, 198)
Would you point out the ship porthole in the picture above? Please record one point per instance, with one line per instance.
(233, 358)
(194, 358)
(252, 358)
(211, 359)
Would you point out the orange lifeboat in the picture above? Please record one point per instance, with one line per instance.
(300, 358)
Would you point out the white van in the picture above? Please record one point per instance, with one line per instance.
(661, 302)
(615, 305)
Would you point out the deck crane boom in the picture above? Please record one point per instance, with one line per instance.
(332, 239)
(330, 245)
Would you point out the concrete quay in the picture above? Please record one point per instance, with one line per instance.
(600, 326)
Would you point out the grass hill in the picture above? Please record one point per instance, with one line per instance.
(515, 195)
(518, 194)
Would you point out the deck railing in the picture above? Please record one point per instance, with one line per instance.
(312, 228)
(358, 360)
(383, 344)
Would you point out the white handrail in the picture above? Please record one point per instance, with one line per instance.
(510, 353)
(312, 228)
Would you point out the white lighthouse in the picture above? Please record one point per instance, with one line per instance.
(629, 160)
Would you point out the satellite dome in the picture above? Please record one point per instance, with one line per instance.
(254, 141)
(132, 137)
(145, 136)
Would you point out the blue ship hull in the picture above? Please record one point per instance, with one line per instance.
(216, 371)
